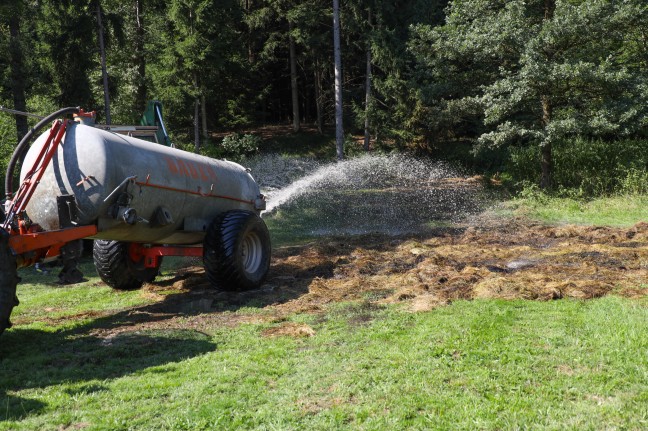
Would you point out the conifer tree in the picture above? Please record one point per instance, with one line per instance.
(533, 72)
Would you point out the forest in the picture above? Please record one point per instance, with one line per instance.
(439, 220)
(544, 92)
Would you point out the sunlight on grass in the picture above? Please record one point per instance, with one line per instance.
(619, 211)
(478, 364)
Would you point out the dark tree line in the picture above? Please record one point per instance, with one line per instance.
(235, 62)
(418, 73)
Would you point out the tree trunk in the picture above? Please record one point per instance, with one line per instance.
(250, 34)
(546, 161)
(549, 8)
(104, 72)
(339, 130)
(306, 105)
(293, 80)
(140, 59)
(196, 125)
(318, 98)
(367, 134)
(17, 65)
(203, 107)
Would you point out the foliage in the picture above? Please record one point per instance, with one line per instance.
(7, 141)
(533, 72)
(239, 145)
(588, 167)
(67, 57)
(305, 143)
(448, 76)
(196, 54)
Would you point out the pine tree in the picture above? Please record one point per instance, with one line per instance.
(534, 72)
(381, 30)
(68, 52)
(197, 42)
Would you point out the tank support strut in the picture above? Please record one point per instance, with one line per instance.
(152, 255)
(34, 175)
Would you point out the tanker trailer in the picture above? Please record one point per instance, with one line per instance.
(138, 200)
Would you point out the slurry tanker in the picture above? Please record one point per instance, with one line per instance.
(138, 200)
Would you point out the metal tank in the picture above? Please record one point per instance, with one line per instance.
(139, 200)
(135, 190)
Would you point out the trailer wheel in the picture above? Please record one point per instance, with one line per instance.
(236, 251)
(8, 281)
(116, 268)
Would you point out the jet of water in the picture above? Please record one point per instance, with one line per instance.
(371, 193)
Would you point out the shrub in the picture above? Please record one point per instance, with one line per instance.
(238, 145)
(585, 168)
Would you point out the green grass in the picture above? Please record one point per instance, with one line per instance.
(483, 364)
(473, 365)
(43, 299)
(620, 211)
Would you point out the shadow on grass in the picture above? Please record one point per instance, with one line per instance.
(32, 359)
(17, 408)
(124, 342)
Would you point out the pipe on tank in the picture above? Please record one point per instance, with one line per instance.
(23, 145)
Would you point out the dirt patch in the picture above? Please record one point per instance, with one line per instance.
(294, 330)
(516, 260)
(512, 260)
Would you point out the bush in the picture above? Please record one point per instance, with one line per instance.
(238, 145)
(585, 168)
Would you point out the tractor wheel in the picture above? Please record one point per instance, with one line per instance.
(236, 251)
(116, 268)
(8, 281)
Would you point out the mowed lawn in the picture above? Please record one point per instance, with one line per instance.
(483, 364)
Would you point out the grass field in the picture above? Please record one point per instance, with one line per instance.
(605, 211)
(472, 365)
(87, 357)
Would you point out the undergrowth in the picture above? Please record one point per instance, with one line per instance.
(585, 168)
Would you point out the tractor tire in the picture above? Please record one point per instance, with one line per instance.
(8, 281)
(236, 251)
(116, 268)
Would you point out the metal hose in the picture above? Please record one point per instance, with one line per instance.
(21, 150)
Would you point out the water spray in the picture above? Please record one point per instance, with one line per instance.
(391, 194)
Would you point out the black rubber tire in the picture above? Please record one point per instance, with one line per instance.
(237, 251)
(8, 281)
(117, 269)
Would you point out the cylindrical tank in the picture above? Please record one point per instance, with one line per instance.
(174, 194)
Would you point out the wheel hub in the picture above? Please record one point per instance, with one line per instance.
(252, 252)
